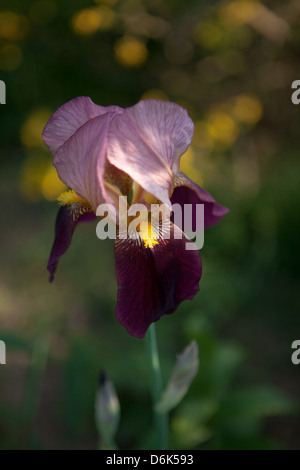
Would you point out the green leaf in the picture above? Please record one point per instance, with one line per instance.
(185, 370)
(258, 402)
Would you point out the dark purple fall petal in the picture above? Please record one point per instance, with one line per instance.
(67, 219)
(188, 192)
(154, 281)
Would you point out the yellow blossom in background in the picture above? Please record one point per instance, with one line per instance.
(33, 172)
(11, 57)
(130, 52)
(247, 109)
(39, 179)
(266, 21)
(51, 185)
(32, 128)
(202, 137)
(88, 21)
(12, 26)
(208, 35)
(155, 94)
(239, 12)
(187, 166)
(222, 128)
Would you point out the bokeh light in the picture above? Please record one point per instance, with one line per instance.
(51, 185)
(187, 166)
(130, 52)
(202, 136)
(247, 109)
(32, 128)
(155, 94)
(90, 20)
(222, 128)
(13, 26)
(239, 12)
(208, 35)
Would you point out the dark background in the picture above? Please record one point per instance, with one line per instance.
(231, 64)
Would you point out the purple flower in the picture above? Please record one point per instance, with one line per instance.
(102, 153)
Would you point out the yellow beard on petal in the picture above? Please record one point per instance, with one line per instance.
(79, 205)
(70, 197)
(148, 234)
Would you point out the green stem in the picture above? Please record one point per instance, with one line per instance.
(160, 419)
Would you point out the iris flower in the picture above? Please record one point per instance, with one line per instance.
(102, 153)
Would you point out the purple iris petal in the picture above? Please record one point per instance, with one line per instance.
(80, 162)
(70, 117)
(147, 140)
(67, 219)
(188, 192)
(154, 281)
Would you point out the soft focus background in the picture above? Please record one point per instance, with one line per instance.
(231, 64)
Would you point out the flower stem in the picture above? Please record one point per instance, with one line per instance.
(160, 419)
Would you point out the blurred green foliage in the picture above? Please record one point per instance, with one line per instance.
(231, 64)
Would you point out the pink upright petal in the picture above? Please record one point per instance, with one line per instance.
(80, 161)
(154, 281)
(67, 219)
(147, 141)
(69, 117)
(188, 192)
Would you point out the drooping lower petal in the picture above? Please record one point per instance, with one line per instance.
(188, 192)
(69, 118)
(67, 218)
(154, 278)
(147, 140)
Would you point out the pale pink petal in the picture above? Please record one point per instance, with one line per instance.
(69, 117)
(147, 140)
(80, 162)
